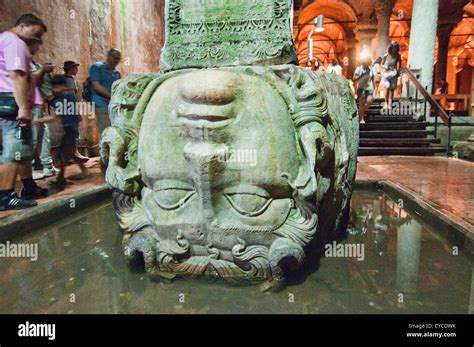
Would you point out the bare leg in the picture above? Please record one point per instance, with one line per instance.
(369, 101)
(25, 170)
(81, 165)
(362, 102)
(386, 98)
(58, 163)
(55, 157)
(8, 174)
(390, 98)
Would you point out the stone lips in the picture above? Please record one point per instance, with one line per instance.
(191, 215)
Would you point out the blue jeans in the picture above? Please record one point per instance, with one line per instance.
(41, 142)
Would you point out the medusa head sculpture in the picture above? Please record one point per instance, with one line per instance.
(186, 201)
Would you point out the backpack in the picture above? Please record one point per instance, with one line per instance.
(87, 90)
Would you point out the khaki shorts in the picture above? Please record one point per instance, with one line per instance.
(103, 120)
(56, 132)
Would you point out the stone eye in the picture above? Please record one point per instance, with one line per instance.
(172, 198)
(248, 204)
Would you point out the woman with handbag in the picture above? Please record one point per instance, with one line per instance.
(377, 70)
(391, 65)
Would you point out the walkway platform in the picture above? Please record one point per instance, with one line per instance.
(446, 184)
(70, 190)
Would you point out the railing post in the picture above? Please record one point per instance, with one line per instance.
(424, 107)
(448, 144)
(436, 125)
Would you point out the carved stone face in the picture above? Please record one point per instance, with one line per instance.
(234, 172)
(212, 149)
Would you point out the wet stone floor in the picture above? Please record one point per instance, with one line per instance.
(407, 267)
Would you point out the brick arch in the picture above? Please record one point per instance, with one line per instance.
(340, 20)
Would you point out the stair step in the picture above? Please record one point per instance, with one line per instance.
(401, 142)
(425, 151)
(395, 133)
(394, 114)
(393, 126)
(380, 118)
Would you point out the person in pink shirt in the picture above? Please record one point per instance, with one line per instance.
(16, 102)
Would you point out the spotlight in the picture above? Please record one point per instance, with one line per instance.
(319, 24)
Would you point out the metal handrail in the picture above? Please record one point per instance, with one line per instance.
(436, 107)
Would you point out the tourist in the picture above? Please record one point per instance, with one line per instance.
(442, 87)
(318, 66)
(335, 68)
(16, 99)
(64, 142)
(391, 65)
(101, 76)
(377, 70)
(43, 94)
(70, 71)
(365, 86)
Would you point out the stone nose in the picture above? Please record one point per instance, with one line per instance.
(210, 87)
(205, 168)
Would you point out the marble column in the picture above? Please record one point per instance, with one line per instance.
(384, 11)
(444, 32)
(365, 33)
(408, 256)
(352, 57)
(451, 74)
(423, 39)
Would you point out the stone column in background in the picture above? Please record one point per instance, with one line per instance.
(444, 32)
(351, 57)
(365, 34)
(408, 256)
(384, 11)
(423, 39)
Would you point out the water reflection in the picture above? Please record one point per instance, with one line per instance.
(80, 270)
(384, 218)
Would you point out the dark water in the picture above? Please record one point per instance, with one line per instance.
(407, 268)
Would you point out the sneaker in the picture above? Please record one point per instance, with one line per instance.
(34, 194)
(37, 175)
(13, 202)
(50, 171)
